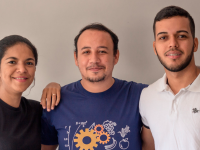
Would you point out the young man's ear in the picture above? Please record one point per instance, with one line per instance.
(196, 43)
(154, 47)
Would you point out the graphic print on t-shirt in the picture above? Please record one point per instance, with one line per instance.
(96, 135)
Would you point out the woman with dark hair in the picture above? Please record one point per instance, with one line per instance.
(19, 117)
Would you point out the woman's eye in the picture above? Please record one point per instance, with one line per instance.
(29, 63)
(12, 62)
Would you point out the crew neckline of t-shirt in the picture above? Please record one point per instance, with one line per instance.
(4, 104)
(108, 92)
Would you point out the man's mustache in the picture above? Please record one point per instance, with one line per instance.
(173, 49)
(95, 66)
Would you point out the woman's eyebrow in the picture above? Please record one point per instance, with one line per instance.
(16, 58)
(11, 58)
(30, 59)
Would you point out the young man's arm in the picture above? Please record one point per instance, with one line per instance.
(147, 139)
(48, 147)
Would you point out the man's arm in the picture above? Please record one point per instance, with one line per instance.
(48, 147)
(147, 139)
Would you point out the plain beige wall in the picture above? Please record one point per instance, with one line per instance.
(51, 26)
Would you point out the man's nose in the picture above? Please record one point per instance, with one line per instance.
(94, 58)
(173, 42)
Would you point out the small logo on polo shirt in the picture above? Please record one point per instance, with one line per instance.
(195, 110)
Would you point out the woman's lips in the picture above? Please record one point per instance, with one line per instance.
(20, 79)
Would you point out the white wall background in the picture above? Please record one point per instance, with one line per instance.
(51, 26)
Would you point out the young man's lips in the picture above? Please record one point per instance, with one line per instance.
(173, 54)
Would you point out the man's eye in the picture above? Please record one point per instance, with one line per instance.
(102, 51)
(163, 38)
(182, 36)
(86, 52)
(12, 62)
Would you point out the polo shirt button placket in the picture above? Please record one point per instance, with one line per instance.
(173, 118)
(174, 111)
(174, 108)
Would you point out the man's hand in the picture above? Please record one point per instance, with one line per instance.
(50, 96)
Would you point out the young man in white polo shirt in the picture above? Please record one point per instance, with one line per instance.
(170, 107)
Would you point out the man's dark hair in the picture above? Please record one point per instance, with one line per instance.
(12, 40)
(172, 11)
(99, 27)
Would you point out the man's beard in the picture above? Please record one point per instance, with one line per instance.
(179, 67)
(96, 79)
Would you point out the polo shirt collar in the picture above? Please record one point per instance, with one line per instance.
(163, 86)
(195, 86)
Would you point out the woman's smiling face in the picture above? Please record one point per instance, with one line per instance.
(17, 69)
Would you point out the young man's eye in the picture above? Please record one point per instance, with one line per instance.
(163, 38)
(182, 36)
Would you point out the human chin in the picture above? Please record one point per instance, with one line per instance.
(21, 87)
(96, 79)
(177, 68)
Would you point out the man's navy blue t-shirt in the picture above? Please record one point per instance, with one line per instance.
(95, 121)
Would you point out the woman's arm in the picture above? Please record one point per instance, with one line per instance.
(50, 96)
(48, 147)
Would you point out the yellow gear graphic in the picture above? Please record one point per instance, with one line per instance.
(98, 125)
(106, 141)
(87, 133)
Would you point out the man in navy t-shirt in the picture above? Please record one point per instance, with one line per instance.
(97, 112)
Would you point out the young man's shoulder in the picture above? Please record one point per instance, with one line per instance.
(154, 87)
(150, 94)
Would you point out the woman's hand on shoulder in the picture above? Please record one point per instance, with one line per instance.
(50, 96)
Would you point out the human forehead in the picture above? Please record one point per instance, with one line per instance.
(172, 25)
(94, 37)
(19, 50)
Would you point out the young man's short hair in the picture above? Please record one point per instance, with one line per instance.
(172, 11)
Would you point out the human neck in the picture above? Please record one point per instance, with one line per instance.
(181, 79)
(12, 99)
(97, 87)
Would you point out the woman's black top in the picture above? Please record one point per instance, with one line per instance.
(20, 127)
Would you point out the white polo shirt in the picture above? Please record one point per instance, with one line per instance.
(174, 120)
